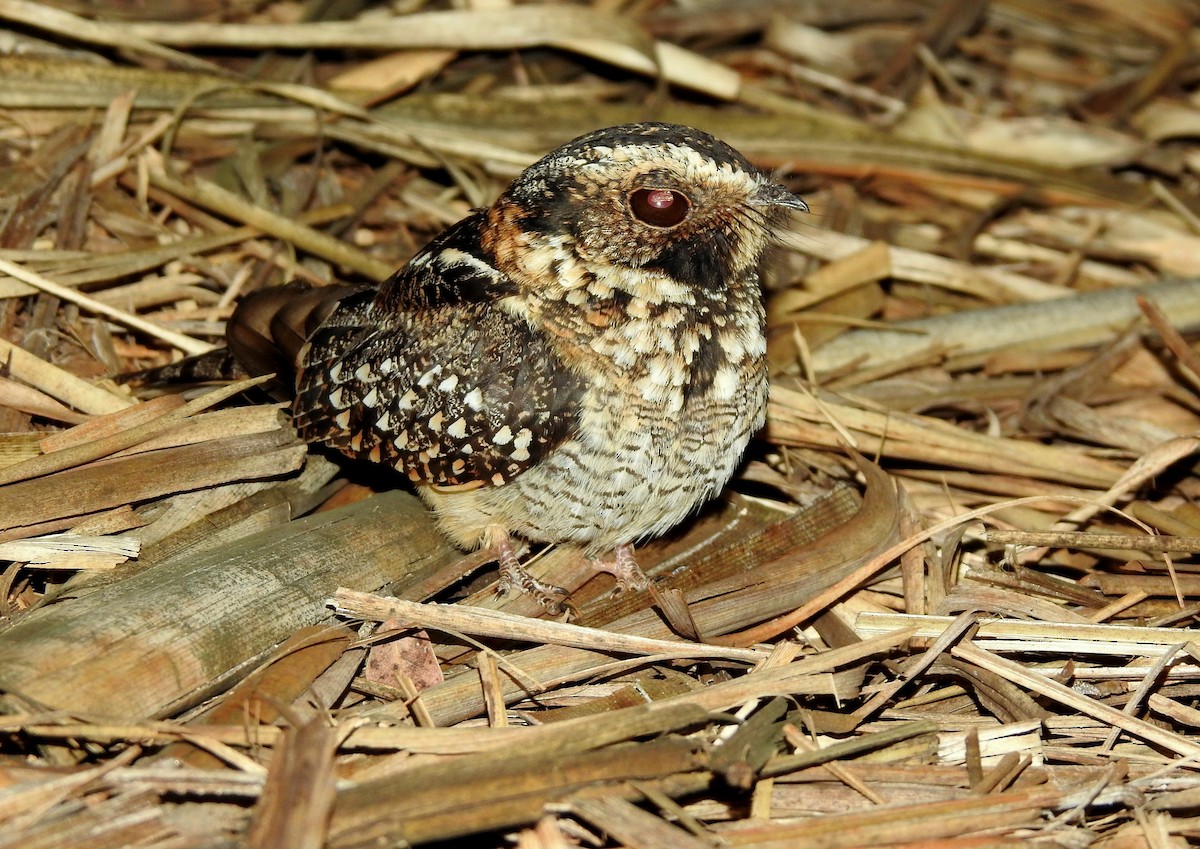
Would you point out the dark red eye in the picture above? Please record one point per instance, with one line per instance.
(659, 207)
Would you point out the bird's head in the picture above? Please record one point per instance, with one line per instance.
(659, 211)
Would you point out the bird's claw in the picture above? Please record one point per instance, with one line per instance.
(514, 576)
(625, 569)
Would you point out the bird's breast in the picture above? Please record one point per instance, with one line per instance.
(658, 434)
(636, 467)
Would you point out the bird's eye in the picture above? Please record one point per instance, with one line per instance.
(659, 207)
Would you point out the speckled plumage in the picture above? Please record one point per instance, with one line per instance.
(572, 364)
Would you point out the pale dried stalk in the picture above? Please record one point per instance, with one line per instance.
(605, 37)
(76, 28)
(168, 414)
(18, 396)
(178, 340)
(994, 743)
(1092, 539)
(59, 383)
(71, 551)
(212, 196)
(102, 486)
(1017, 636)
(1064, 322)
(76, 269)
(919, 267)
(798, 418)
(483, 622)
(1018, 674)
(171, 631)
(627, 823)
(433, 741)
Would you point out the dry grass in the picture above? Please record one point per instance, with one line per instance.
(977, 637)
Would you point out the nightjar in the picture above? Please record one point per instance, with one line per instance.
(583, 362)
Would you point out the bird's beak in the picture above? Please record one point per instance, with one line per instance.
(770, 193)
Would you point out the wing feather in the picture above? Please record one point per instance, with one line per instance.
(433, 375)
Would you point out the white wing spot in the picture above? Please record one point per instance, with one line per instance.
(503, 436)
(459, 429)
(427, 378)
(448, 384)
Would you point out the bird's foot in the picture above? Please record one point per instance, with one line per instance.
(624, 568)
(514, 576)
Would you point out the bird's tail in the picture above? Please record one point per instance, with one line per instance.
(263, 336)
(270, 326)
(216, 366)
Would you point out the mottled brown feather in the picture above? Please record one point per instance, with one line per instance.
(569, 365)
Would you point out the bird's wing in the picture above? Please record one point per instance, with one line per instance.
(432, 375)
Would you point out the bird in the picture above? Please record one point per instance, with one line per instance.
(583, 362)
